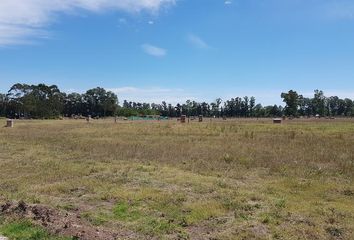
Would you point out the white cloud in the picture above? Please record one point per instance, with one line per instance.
(228, 2)
(21, 20)
(153, 50)
(197, 41)
(153, 95)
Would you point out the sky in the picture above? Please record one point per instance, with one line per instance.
(174, 50)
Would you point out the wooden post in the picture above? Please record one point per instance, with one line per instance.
(10, 123)
(200, 118)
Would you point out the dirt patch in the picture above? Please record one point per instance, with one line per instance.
(208, 229)
(62, 223)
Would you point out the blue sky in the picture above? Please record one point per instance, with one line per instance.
(174, 50)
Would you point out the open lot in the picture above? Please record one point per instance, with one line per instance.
(234, 179)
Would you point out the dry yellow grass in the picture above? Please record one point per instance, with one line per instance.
(236, 179)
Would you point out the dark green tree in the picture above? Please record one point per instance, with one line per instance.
(319, 103)
(292, 101)
(100, 102)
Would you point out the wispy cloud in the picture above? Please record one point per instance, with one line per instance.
(153, 95)
(228, 2)
(153, 50)
(12, 34)
(197, 41)
(23, 20)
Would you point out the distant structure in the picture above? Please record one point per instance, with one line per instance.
(277, 120)
(10, 123)
(148, 118)
(200, 118)
(183, 119)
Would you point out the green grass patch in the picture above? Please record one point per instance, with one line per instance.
(127, 212)
(200, 211)
(143, 219)
(25, 230)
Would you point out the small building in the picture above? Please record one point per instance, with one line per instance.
(277, 120)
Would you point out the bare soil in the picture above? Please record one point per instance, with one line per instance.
(62, 223)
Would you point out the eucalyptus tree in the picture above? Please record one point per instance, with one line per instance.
(292, 101)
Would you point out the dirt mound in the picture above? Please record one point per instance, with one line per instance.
(61, 223)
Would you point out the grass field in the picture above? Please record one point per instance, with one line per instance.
(235, 179)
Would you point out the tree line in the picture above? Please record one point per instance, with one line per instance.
(42, 101)
(46, 102)
(319, 105)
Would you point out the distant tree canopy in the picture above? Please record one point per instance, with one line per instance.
(38, 101)
(42, 101)
(297, 105)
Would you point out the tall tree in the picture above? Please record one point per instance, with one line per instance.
(319, 103)
(100, 102)
(292, 101)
